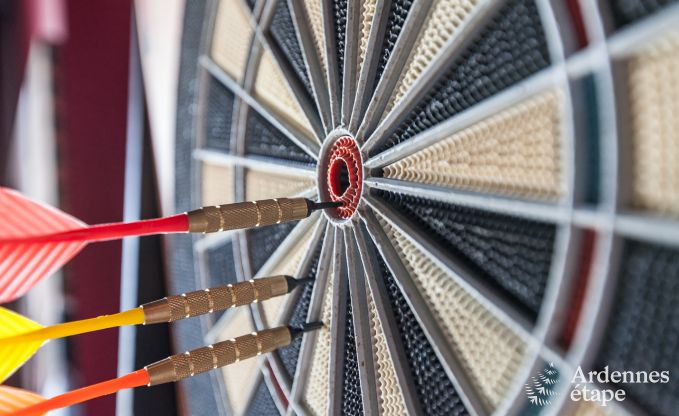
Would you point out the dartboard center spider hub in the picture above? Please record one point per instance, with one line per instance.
(340, 175)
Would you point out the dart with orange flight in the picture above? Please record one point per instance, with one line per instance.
(179, 366)
(36, 239)
(21, 337)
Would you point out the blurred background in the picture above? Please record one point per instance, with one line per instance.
(87, 95)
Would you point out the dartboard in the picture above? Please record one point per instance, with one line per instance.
(509, 179)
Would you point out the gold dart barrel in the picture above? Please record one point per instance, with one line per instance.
(253, 214)
(200, 302)
(247, 214)
(181, 366)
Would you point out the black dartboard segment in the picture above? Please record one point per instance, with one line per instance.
(398, 12)
(262, 403)
(340, 13)
(510, 49)
(262, 242)
(219, 111)
(263, 139)
(627, 11)
(513, 253)
(435, 391)
(643, 331)
(285, 37)
(352, 403)
(221, 265)
(290, 354)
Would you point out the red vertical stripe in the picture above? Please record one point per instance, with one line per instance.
(92, 81)
(578, 23)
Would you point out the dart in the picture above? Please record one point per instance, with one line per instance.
(36, 239)
(179, 366)
(21, 337)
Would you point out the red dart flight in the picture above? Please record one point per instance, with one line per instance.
(36, 239)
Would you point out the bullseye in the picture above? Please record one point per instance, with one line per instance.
(344, 178)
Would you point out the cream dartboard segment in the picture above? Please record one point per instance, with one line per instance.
(653, 89)
(218, 184)
(315, 392)
(232, 39)
(367, 15)
(258, 182)
(272, 90)
(507, 172)
(516, 152)
(314, 17)
(391, 397)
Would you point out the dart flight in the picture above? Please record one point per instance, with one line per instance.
(36, 239)
(13, 399)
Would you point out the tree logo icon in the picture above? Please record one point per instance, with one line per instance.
(542, 388)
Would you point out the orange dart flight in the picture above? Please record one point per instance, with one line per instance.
(13, 399)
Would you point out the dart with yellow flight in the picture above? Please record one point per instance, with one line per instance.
(21, 337)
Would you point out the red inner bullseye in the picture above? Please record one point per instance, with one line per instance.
(344, 180)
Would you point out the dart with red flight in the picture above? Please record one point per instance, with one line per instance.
(36, 239)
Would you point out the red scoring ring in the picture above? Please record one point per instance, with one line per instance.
(345, 152)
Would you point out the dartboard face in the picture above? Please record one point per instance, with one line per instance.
(510, 185)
